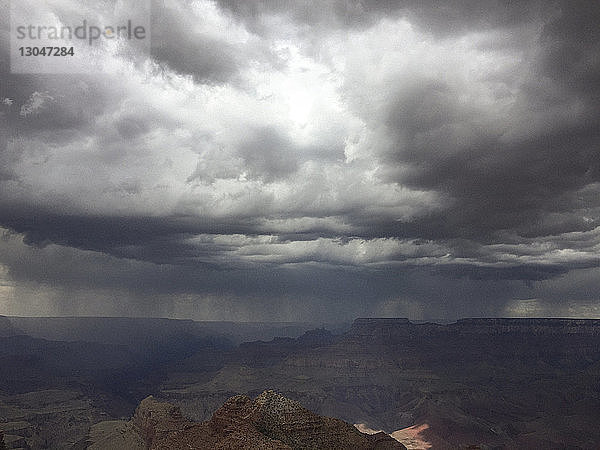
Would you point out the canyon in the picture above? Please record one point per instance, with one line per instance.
(475, 383)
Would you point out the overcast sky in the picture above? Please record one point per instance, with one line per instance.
(304, 160)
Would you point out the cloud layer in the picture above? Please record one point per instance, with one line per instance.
(360, 158)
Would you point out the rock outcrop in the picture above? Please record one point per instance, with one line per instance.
(270, 422)
(286, 420)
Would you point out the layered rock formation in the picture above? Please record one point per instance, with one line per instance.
(512, 383)
(400, 328)
(270, 422)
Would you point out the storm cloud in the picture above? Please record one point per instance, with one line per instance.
(294, 161)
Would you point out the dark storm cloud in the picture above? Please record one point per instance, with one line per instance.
(365, 157)
(499, 181)
(65, 274)
(447, 18)
(177, 43)
(69, 105)
(500, 186)
(188, 39)
(570, 44)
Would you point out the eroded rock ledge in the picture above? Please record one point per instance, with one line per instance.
(271, 421)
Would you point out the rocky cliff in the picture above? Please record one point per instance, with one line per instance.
(395, 328)
(270, 422)
(528, 326)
